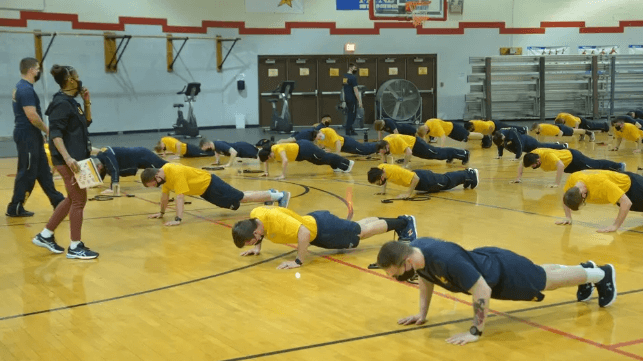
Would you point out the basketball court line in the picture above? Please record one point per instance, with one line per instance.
(5, 318)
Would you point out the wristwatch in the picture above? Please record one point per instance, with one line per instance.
(474, 331)
(178, 219)
(298, 261)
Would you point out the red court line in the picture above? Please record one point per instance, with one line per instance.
(628, 343)
(612, 348)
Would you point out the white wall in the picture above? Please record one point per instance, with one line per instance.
(141, 94)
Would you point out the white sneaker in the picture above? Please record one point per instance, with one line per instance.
(351, 163)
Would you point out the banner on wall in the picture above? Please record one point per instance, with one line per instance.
(275, 6)
(547, 50)
(598, 50)
(635, 49)
(352, 4)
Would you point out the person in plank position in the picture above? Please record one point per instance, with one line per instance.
(519, 143)
(232, 150)
(124, 162)
(320, 228)
(398, 144)
(421, 180)
(566, 160)
(487, 273)
(179, 148)
(300, 151)
(188, 181)
(328, 138)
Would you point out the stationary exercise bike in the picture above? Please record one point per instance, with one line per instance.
(187, 127)
(281, 122)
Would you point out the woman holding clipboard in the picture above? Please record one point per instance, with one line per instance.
(69, 143)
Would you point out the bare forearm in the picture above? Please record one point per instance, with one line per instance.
(180, 201)
(60, 145)
(426, 292)
(38, 123)
(88, 112)
(165, 197)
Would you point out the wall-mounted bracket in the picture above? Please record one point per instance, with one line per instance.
(112, 55)
(220, 41)
(171, 59)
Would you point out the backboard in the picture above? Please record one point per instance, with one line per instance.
(397, 10)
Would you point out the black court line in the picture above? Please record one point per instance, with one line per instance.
(403, 330)
(4, 318)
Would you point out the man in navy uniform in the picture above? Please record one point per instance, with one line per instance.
(351, 97)
(32, 159)
(124, 162)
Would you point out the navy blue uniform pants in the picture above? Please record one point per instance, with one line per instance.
(32, 167)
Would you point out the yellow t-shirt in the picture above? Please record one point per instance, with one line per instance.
(438, 127)
(569, 120)
(397, 174)
(486, 127)
(170, 145)
(399, 142)
(292, 150)
(629, 132)
(281, 225)
(549, 129)
(603, 186)
(331, 137)
(185, 180)
(549, 158)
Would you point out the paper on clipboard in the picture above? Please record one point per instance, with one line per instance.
(88, 175)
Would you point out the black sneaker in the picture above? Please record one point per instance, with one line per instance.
(465, 161)
(49, 243)
(585, 291)
(474, 179)
(81, 252)
(18, 211)
(607, 286)
(449, 161)
(408, 233)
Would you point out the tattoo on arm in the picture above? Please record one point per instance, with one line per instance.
(478, 312)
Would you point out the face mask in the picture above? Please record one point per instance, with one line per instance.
(354, 71)
(407, 275)
(536, 166)
(160, 183)
(37, 77)
(618, 127)
(322, 136)
(383, 182)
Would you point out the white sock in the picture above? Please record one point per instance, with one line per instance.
(46, 233)
(73, 244)
(275, 196)
(594, 275)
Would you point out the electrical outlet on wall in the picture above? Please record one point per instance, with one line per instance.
(456, 6)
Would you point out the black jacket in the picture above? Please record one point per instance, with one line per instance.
(67, 121)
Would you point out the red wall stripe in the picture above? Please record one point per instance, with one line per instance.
(25, 16)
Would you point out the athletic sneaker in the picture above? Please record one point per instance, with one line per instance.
(285, 199)
(526, 129)
(408, 233)
(449, 161)
(337, 170)
(473, 180)
(47, 242)
(607, 286)
(585, 291)
(622, 169)
(566, 145)
(351, 163)
(81, 252)
(465, 161)
(592, 136)
(269, 203)
(18, 211)
(581, 137)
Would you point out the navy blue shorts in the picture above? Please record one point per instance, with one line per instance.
(567, 131)
(222, 194)
(334, 232)
(459, 133)
(521, 279)
(635, 193)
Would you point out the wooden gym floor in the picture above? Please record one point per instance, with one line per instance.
(184, 293)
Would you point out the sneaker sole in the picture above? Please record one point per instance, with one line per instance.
(414, 224)
(287, 201)
(477, 179)
(19, 215)
(45, 245)
(614, 283)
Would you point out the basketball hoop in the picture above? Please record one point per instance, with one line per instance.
(419, 11)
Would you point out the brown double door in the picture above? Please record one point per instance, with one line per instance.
(318, 82)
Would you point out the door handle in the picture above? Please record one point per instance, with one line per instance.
(331, 93)
(305, 93)
(430, 91)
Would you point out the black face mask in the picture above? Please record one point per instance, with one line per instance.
(354, 71)
(383, 182)
(407, 275)
(618, 127)
(537, 166)
(37, 77)
(160, 183)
